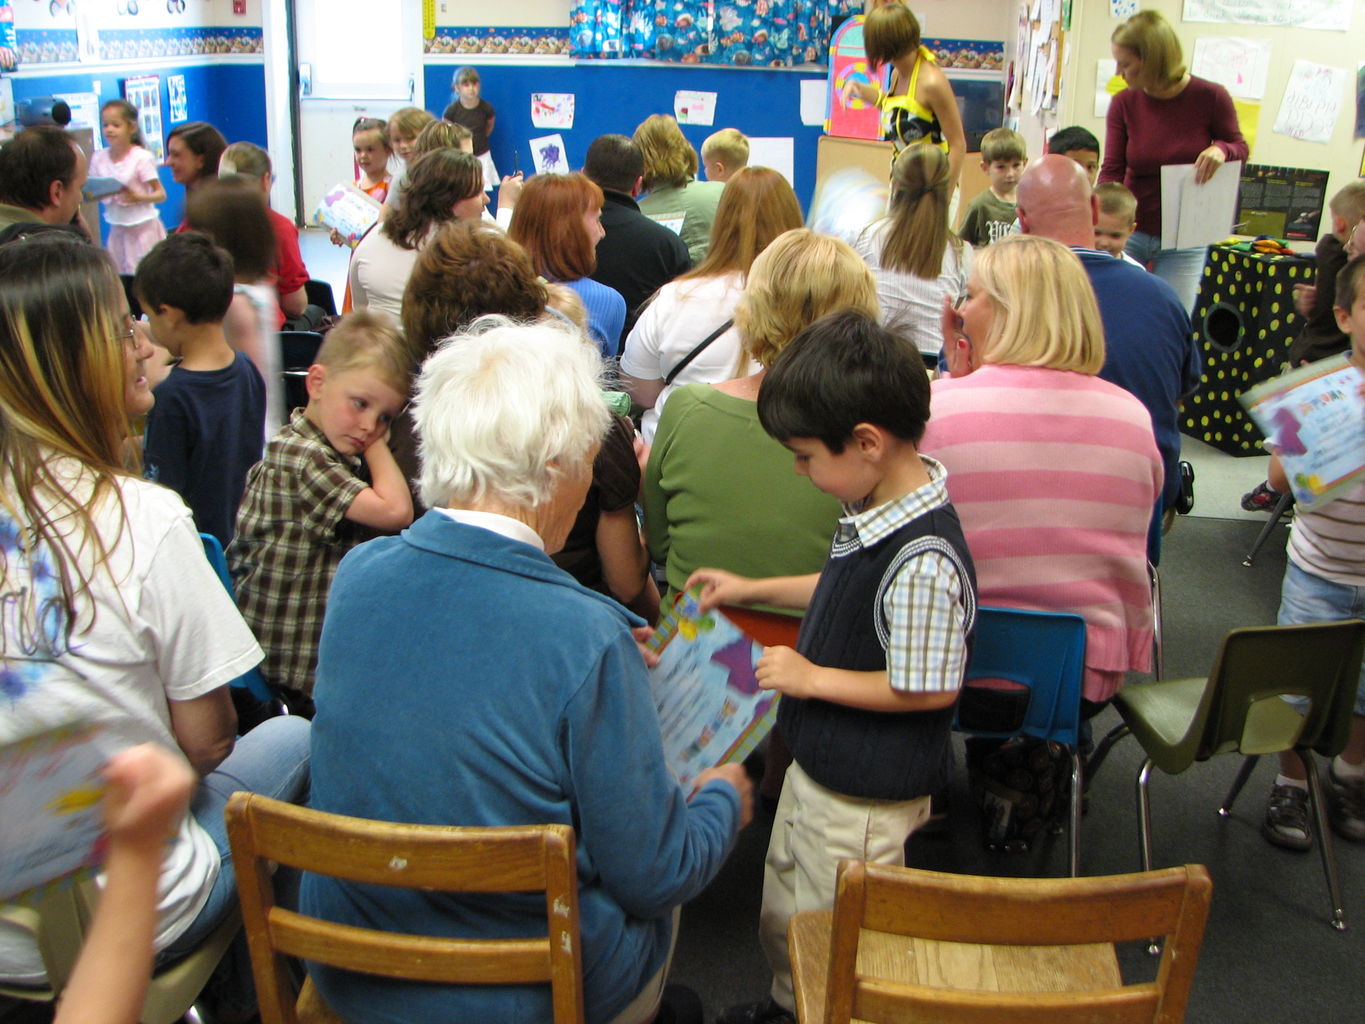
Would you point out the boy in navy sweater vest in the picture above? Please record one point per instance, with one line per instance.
(868, 694)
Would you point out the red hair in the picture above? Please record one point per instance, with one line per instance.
(548, 224)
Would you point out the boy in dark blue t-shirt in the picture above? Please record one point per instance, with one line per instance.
(868, 695)
(208, 425)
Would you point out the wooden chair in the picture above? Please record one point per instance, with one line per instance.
(431, 857)
(903, 944)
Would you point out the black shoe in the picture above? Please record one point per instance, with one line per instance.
(766, 1012)
(680, 1005)
(1286, 818)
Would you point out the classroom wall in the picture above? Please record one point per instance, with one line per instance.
(220, 53)
(1093, 25)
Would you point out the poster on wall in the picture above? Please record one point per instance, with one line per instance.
(1326, 15)
(1312, 101)
(552, 109)
(144, 92)
(179, 100)
(1285, 202)
(1239, 65)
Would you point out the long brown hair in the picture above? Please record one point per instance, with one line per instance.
(548, 224)
(436, 182)
(62, 423)
(918, 234)
(756, 206)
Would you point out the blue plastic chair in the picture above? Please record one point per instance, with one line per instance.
(251, 680)
(1044, 651)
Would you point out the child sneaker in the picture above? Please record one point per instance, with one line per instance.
(1346, 806)
(1260, 499)
(1286, 818)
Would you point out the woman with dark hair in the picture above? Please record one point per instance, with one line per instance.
(558, 220)
(916, 258)
(193, 150)
(117, 621)
(443, 185)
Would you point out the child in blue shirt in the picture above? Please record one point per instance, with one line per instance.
(208, 425)
(868, 695)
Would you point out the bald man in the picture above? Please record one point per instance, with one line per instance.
(1149, 350)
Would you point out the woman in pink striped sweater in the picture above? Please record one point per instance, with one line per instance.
(1054, 472)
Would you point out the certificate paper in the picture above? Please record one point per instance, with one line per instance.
(1314, 418)
(348, 211)
(711, 709)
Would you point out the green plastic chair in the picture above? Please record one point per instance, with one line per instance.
(1238, 710)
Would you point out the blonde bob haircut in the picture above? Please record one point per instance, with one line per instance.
(1151, 37)
(1045, 311)
(506, 411)
(795, 281)
(407, 122)
(670, 160)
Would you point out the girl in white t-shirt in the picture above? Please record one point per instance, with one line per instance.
(112, 616)
(756, 206)
(134, 224)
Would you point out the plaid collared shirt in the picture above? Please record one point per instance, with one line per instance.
(927, 601)
(292, 532)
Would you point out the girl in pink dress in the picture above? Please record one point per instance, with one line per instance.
(134, 224)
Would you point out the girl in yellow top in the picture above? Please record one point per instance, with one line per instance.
(919, 106)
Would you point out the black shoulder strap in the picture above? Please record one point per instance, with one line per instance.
(701, 347)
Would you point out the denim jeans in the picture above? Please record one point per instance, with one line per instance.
(1182, 269)
(1305, 597)
(272, 760)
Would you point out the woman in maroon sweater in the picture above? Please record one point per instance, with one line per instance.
(1166, 116)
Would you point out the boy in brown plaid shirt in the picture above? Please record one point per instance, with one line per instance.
(306, 501)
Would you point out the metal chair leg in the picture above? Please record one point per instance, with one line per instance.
(1158, 647)
(1243, 773)
(1077, 798)
(1102, 751)
(1329, 856)
(1280, 507)
(1145, 833)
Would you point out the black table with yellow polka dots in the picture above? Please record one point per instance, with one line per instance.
(1244, 321)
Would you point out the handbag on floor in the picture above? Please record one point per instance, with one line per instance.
(1022, 786)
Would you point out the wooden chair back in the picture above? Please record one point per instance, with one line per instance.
(430, 857)
(1016, 912)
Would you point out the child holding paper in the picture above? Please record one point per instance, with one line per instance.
(1325, 581)
(868, 696)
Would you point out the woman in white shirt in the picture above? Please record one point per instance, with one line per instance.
(756, 206)
(113, 618)
(916, 260)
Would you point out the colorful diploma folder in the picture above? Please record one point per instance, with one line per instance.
(348, 211)
(711, 709)
(50, 791)
(1314, 419)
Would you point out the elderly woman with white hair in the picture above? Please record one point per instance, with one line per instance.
(511, 695)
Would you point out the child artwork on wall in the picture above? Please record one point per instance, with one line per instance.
(549, 155)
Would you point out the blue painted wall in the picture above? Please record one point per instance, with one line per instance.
(230, 96)
(617, 97)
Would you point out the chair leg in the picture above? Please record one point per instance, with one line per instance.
(1145, 833)
(1275, 516)
(1329, 856)
(1158, 647)
(1243, 773)
(1102, 751)
(1077, 798)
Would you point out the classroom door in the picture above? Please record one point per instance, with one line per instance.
(357, 58)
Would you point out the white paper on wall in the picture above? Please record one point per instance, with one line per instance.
(693, 107)
(552, 110)
(1325, 15)
(1312, 101)
(777, 153)
(814, 97)
(1238, 65)
(1105, 70)
(549, 155)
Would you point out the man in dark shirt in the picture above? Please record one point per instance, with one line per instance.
(637, 255)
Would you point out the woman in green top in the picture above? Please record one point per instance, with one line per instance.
(718, 490)
(672, 191)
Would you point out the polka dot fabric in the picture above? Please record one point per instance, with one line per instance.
(1244, 320)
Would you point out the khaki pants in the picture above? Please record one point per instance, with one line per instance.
(813, 830)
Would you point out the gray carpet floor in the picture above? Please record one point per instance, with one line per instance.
(1269, 954)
